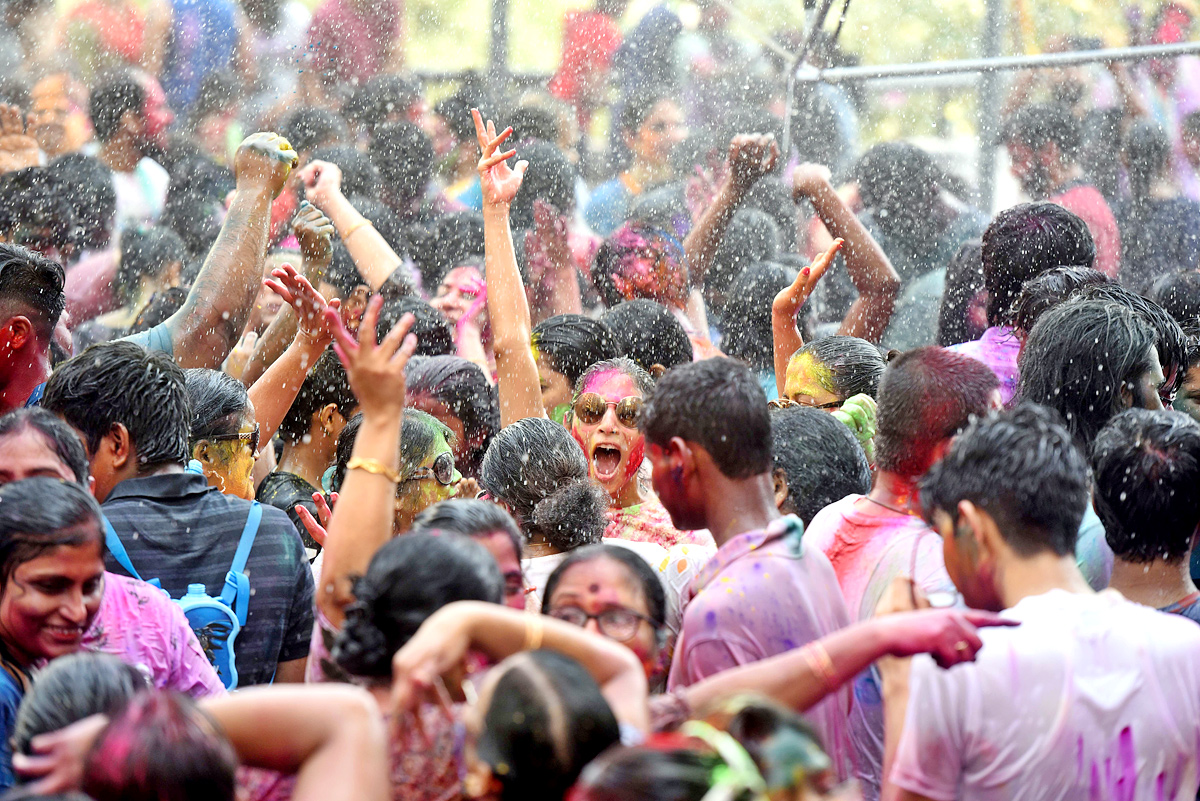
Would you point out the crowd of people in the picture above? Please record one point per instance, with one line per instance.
(577, 441)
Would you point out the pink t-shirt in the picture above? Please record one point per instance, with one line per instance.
(1086, 201)
(146, 629)
(1091, 698)
(354, 39)
(998, 348)
(869, 546)
(764, 593)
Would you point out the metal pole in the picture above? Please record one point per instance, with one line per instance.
(498, 50)
(989, 104)
(839, 74)
(792, 68)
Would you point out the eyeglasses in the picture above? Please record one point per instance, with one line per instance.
(616, 623)
(442, 470)
(589, 409)
(787, 403)
(249, 436)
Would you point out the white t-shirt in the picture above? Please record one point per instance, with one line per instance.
(141, 194)
(1091, 698)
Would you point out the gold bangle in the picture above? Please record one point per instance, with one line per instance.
(534, 629)
(821, 664)
(374, 467)
(350, 231)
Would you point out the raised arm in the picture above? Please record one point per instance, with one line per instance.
(868, 266)
(314, 232)
(372, 255)
(786, 306)
(508, 308)
(441, 644)
(362, 520)
(274, 392)
(208, 325)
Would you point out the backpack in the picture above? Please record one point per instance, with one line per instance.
(216, 621)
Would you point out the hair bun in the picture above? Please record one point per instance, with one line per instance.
(572, 515)
(361, 648)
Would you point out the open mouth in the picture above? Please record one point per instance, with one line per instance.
(606, 460)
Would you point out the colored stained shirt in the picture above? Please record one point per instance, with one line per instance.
(1085, 201)
(353, 40)
(1188, 607)
(608, 207)
(998, 348)
(765, 592)
(1090, 697)
(649, 521)
(143, 627)
(869, 546)
(181, 531)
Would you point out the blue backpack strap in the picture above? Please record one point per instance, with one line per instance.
(236, 592)
(117, 548)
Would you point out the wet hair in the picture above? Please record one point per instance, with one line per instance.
(343, 274)
(145, 252)
(455, 111)
(550, 178)
(616, 257)
(675, 771)
(718, 405)
(404, 156)
(628, 367)
(649, 334)
(470, 518)
(87, 185)
(407, 580)
(325, 383)
(1169, 338)
(218, 402)
(72, 688)
(895, 175)
(964, 281)
(40, 514)
(547, 720)
(852, 366)
(33, 198)
(1147, 155)
(161, 307)
(1021, 467)
(636, 568)
(1025, 241)
(456, 240)
(308, 127)
(1049, 289)
(31, 284)
(379, 98)
(418, 435)
(1079, 357)
(926, 396)
(571, 343)
(531, 122)
(160, 747)
(111, 98)
(1179, 295)
(464, 389)
(1041, 124)
(359, 174)
(434, 335)
(58, 435)
(120, 382)
(820, 458)
(752, 237)
(541, 474)
(1147, 467)
(638, 106)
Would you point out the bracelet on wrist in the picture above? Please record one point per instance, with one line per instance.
(374, 467)
(364, 222)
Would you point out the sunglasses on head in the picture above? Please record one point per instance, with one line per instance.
(249, 436)
(589, 409)
(442, 470)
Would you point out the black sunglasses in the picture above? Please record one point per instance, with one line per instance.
(250, 436)
(442, 470)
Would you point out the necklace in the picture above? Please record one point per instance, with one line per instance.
(905, 512)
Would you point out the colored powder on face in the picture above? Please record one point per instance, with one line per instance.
(807, 376)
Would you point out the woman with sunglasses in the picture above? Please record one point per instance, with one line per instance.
(604, 421)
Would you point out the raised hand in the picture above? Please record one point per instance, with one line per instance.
(376, 371)
(859, 414)
(498, 182)
(312, 323)
(318, 529)
(58, 758)
(438, 649)
(808, 178)
(314, 231)
(789, 300)
(322, 182)
(17, 149)
(264, 160)
(751, 156)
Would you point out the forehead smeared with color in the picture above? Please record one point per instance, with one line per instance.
(610, 380)
(807, 376)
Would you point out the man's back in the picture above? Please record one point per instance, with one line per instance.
(1090, 698)
(180, 531)
(1085, 201)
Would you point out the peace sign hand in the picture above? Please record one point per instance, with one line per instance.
(498, 182)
